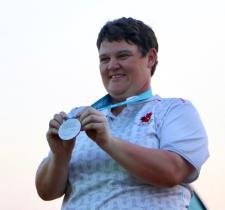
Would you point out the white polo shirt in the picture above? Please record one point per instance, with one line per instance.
(97, 182)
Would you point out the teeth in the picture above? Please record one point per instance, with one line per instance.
(116, 76)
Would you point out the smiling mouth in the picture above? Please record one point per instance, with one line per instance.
(116, 76)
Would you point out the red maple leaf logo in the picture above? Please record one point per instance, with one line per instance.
(146, 118)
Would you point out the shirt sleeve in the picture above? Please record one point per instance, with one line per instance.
(181, 131)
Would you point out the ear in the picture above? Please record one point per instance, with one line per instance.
(152, 57)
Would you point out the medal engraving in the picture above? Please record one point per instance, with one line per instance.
(69, 129)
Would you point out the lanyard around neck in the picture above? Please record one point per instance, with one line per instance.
(143, 96)
(103, 103)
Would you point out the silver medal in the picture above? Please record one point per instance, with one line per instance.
(69, 129)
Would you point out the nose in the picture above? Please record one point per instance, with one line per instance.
(113, 64)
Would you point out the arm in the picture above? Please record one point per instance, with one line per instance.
(153, 166)
(52, 174)
(51, 177)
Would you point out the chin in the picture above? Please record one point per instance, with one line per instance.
(119, 96)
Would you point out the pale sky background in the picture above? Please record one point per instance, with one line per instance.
(49, 63)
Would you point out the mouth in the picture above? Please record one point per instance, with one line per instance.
(116, 76)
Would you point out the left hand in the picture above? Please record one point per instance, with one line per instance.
(94, 123)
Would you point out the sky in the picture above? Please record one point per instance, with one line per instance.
(49, 63)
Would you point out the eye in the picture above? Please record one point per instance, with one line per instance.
(104, 59)
(123, 56)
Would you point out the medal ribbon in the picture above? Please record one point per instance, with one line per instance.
(145, 95)
(103, 104)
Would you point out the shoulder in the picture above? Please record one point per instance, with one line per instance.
(172, 102)
(169, 106)
(174, 115)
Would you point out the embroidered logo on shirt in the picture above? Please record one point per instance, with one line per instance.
(145, 119)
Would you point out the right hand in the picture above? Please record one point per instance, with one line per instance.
(58, 146)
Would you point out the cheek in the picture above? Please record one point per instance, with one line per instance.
(141, 76)
(103, 74)
(103, 68)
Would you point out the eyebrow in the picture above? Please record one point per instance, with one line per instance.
(119, 52)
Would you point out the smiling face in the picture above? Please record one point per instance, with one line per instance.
(124, 71)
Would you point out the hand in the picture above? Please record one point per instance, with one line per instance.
(58, 146)
(94, 123)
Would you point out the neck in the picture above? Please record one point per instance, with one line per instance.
(142, 95)
(117, 110)
(144, 88)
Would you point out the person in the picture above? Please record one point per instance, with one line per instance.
(135, 150)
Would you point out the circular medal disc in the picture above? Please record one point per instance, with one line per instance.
(69, 129)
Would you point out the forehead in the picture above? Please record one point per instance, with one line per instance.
(107, 47)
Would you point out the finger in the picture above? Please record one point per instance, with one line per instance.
(54, 124)
(86, 112)
(81, 111)
(95, 126)
(76, 112)
(63, 114)
(92, 119)
(59, 117)
(51, 132)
